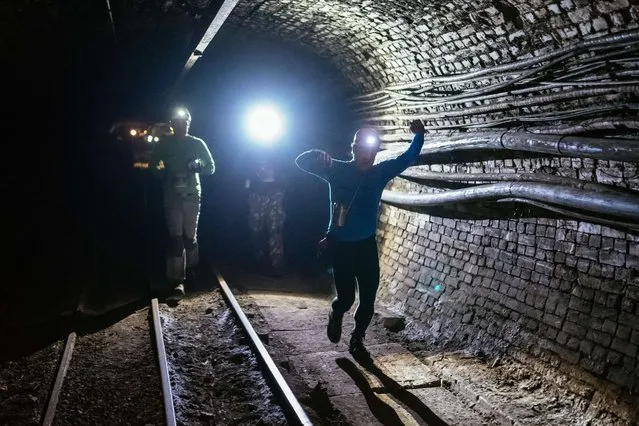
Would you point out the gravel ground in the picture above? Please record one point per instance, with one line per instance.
(113, 378)
(513, 389)
(25, 384)
(215, 377)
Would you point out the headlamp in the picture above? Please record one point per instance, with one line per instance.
(366, 139)
(181, 114)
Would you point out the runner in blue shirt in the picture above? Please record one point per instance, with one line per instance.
(355, 191)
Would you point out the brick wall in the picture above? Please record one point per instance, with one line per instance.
(563, 291)
(377, 43)
(562, 288)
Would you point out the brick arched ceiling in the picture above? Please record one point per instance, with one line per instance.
(379, 43)
(456, 64)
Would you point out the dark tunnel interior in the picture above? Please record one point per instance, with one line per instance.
(514, 234)
(87, 220)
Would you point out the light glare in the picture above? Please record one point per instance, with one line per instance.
(133, 132)
(371, 140)
(264, 124)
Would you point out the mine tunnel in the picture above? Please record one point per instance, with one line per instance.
(508, 250)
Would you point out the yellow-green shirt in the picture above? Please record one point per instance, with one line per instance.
(170, 160)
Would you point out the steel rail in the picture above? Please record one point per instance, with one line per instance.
(294, 412)
(167, 395)
(63, 367)
(48, 414)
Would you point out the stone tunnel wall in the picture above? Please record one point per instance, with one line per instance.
(378, 43)
(563, 291)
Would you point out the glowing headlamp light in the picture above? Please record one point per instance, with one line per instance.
(371, 140)
(181, 114)
(264, 124)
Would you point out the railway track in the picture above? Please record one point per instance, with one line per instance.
(62, 396)
(293, 412)
(292, 408)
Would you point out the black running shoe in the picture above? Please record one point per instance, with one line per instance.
(334, 328)
(358, 350)
(177, 294)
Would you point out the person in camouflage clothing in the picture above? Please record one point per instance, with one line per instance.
(266, 214)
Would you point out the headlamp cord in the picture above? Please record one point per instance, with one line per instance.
(356, 191)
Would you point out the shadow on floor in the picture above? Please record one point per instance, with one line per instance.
(377, 406)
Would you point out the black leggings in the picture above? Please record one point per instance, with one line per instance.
(355, 262)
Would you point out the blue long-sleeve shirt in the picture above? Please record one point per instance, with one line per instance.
(344, 177)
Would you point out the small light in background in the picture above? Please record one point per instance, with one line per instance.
(264, 124)
(149, 138)
(133, 132)
(156, 139)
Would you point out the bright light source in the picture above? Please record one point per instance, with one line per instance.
(264, 124)
(371, 140)
(182, 113)
(156, 139)
(133, 132)
(149, 138)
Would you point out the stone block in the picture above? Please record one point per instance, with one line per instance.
(574, 329)
(552, 320)
(599, 338)
(527, 240)
(491, 252)
(623, 332)
(603, 312)
(587, 253)
(580, 305)
(526, 262)
(544, 268)
(565, 247)
(613, 258)
(621, 377)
